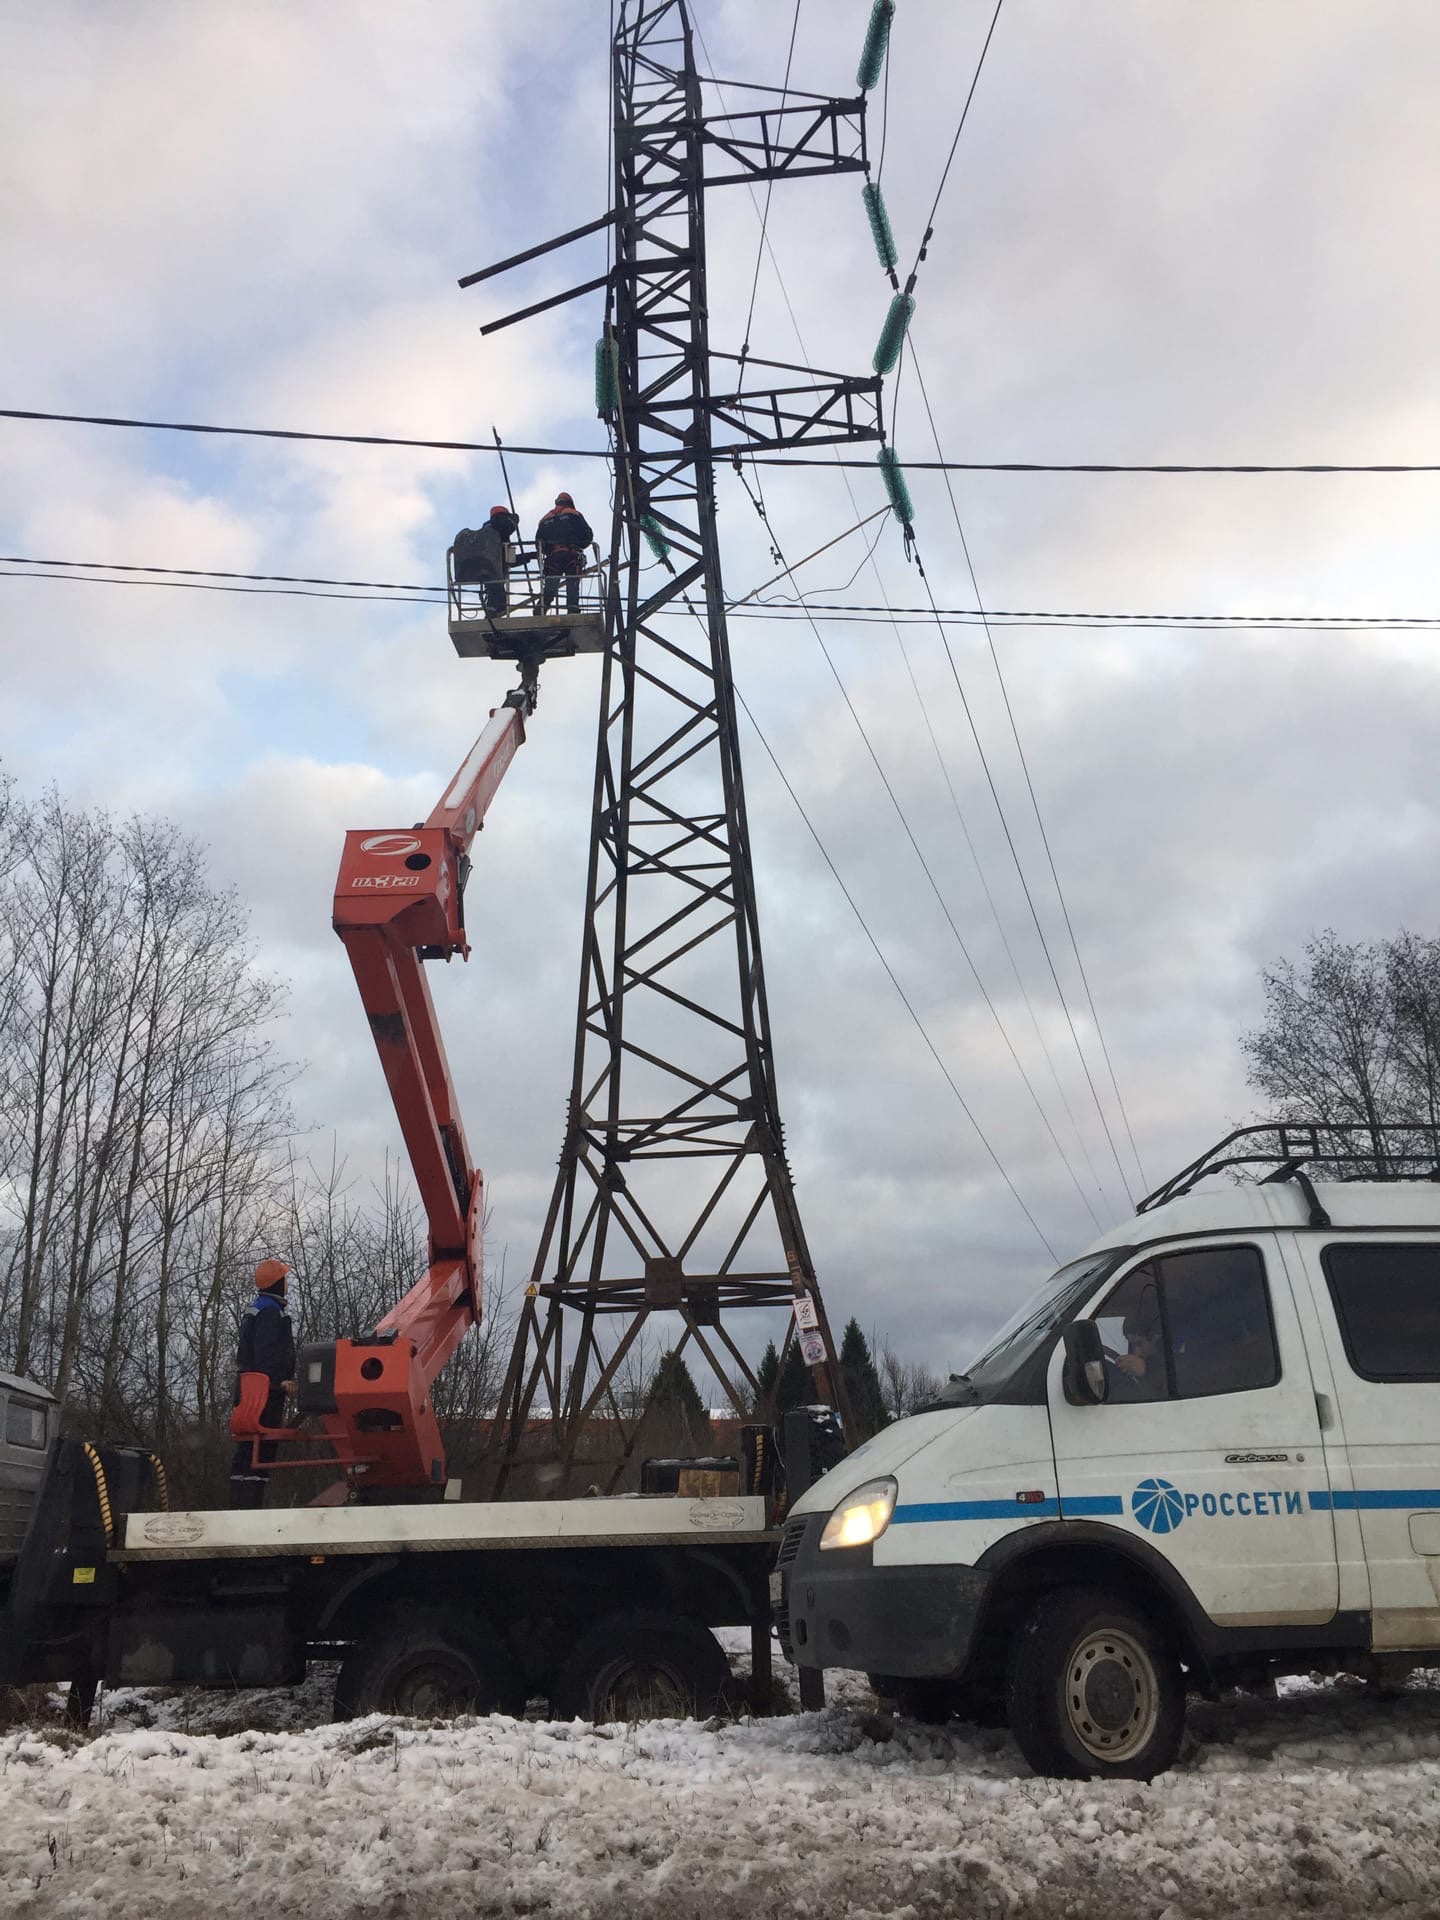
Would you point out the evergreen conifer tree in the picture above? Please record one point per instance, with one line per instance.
(796, 1388)
(675, 1400)
(862, 1382)
(767, 1378)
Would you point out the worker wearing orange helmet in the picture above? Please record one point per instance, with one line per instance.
(480, 557)
(267, 1345)
(562, 539)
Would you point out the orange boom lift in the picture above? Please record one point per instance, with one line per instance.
(400, 901)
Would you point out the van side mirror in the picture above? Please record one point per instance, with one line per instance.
(1086, 1382)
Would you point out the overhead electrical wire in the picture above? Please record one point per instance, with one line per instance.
(990, 902)
(881, 956)
(1025, 885)
(878, 34)
(888, 357)
(941, 901)
(217, 573)
(950, 158)
(726, 453)
(765, 214)
(207, 586)
(1035, 806)
(889, 354)
(796, 610)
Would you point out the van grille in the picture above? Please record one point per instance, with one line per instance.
(789, 1549)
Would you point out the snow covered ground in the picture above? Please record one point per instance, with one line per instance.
(1322, 1803)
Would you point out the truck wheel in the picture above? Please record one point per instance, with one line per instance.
(1093, 1690)
(642, 1666)
(428, 1662)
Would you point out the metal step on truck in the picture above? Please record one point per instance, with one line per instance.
(1206, 1453)
(601, 1606)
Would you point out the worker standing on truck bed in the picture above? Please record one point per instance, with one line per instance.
(562, 538)
(267, 1345)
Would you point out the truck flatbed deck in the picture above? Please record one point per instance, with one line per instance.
(451, 1526)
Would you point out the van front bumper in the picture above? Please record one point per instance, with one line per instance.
(840, 1610)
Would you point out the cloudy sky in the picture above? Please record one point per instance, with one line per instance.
(1177, 231)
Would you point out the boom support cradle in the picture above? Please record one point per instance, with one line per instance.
(400, 901)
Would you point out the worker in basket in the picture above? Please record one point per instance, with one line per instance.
(562, 539)
(267, 1345)
(480, 557)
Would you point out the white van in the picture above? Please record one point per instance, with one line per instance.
(1205, 1453)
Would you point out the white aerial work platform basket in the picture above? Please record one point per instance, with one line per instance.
(544, 617)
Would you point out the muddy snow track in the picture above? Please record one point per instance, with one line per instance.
(1322, 1803)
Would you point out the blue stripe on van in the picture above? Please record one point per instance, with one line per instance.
(975, 1510)
(1374, 1499)
(1107, 1503)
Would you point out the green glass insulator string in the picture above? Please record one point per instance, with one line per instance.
(892, 334)
(880, 229)
(877, 39)
(896, 487)
(607, 377)
(658, 544)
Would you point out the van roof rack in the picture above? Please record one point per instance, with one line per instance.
(1331, 1149)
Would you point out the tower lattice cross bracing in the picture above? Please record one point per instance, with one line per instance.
(673, 1193)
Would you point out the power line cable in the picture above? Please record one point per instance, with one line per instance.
(1025, 884)
(935, 888)
(762, 510)
(950, 159)
(751, 459)
(999, 925)
(859, 611)
(909, 1005)
(1035, 805)
(796, 611)
(216, 573)
(295, 433)
(765, 215)
(206, 586)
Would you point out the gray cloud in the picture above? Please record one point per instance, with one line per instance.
(1183, 232)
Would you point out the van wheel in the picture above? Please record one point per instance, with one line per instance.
(428, 1662)
(1093, 1690)
(642, 1666)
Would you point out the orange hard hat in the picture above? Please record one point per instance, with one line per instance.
(270, 1273)
(563, 500)
(495, 510)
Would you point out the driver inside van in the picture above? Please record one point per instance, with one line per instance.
(1142, 1366)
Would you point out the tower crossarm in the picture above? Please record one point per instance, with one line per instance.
(793, 142)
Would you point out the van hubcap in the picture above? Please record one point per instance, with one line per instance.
(1112, 1700)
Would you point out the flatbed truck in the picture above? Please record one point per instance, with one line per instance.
(603, 1607)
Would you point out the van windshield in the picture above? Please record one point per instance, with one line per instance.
(1029, 1330)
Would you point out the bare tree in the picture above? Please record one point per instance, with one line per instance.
(1351, 1035)
(905, 1385)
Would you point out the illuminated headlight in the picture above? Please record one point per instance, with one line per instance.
(862, 1517)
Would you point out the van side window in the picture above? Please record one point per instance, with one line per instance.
(1387, 1301)
(24, 1425)
(1187, 1325)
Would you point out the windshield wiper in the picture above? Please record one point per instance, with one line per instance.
(957, 1389)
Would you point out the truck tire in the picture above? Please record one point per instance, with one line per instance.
(428, 1662)
(1094, 1690)
(642, 1666)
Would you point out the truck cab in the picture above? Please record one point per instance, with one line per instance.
(1204, 1453)
(28, 1421)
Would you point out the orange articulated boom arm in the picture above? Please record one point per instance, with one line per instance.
(399, 901)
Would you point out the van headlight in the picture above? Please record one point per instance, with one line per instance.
(861, 1517)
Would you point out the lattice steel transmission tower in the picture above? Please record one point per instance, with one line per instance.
(674, 1194)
